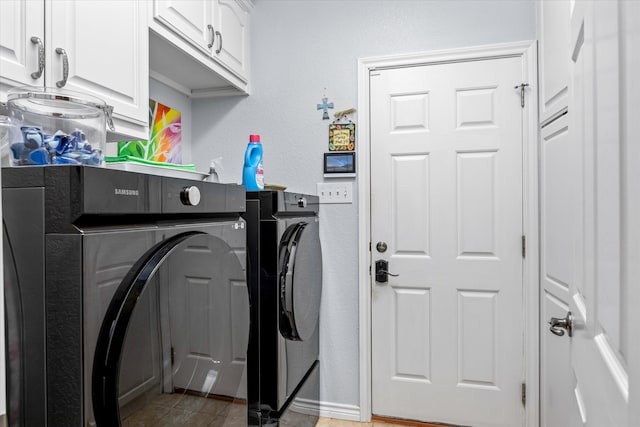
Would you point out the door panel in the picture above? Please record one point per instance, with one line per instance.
(598, 347)
(446, 197)
(630, 173)
(557, 196)
(477, 347)
(410, 211)
(476, 204)
(583, 232)
(553, 33)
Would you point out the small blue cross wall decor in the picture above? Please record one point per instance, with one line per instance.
(325, 108)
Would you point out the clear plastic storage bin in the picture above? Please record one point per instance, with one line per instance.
(57, 126)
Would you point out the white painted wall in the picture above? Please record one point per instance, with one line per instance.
(298, 48)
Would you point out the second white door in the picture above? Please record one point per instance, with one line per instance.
(446, 200)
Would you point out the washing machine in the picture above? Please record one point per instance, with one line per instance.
(285, 285)
(126, 299)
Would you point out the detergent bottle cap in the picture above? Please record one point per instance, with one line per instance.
(254, 138)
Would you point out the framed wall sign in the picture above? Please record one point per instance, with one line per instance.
(338, 165)
(342, 136)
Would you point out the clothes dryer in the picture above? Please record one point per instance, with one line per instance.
(285, 287)
(126, 299)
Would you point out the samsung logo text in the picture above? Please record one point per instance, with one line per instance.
(126, 192)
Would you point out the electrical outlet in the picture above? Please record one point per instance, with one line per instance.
(335, 192)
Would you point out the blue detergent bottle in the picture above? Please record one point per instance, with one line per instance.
(252, 173)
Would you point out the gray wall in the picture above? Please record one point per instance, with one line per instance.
(299, 48)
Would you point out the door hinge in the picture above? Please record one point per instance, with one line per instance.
(369, 246)
(524, 394)
(524, 246)
(522, 87)
(173, 356)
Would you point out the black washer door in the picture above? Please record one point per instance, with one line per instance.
(169, 346)
(14, 338)
(300, 266)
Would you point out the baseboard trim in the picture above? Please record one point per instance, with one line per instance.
(408, 423)
(340, 411)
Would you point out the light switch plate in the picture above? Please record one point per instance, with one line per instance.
(335, 192)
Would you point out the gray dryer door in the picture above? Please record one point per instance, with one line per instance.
(300, 266)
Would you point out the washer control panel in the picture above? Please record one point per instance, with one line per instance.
(198, 197)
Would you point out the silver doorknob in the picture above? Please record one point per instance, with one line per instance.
(558, 326)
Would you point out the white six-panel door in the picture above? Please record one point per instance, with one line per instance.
(601, 343)
(587, 268)
(557, 198)
(446, 198)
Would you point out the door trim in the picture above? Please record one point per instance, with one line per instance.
(527, 50)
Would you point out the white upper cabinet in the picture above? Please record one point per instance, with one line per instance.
(201, 47)
(98, 47)
(232, 37)
(553, 33)
(106, 44)
(191, 19)
(21, 42)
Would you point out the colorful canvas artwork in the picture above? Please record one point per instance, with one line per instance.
(165, 135)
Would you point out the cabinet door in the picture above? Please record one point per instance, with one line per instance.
(191, 19)
(20, 20)
(106, 44)
(232, 42)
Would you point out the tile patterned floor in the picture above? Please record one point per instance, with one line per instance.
(174, 410)
(185, 410)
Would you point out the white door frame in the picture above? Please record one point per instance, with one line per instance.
(527, 50)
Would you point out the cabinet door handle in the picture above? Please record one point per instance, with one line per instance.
(37, 74)
(219, 34)
(212, 35)
(108, 112)
(65, 67)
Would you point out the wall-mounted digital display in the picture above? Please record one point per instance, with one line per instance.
(339, 164)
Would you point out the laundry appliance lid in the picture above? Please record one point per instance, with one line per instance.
(300, 258)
